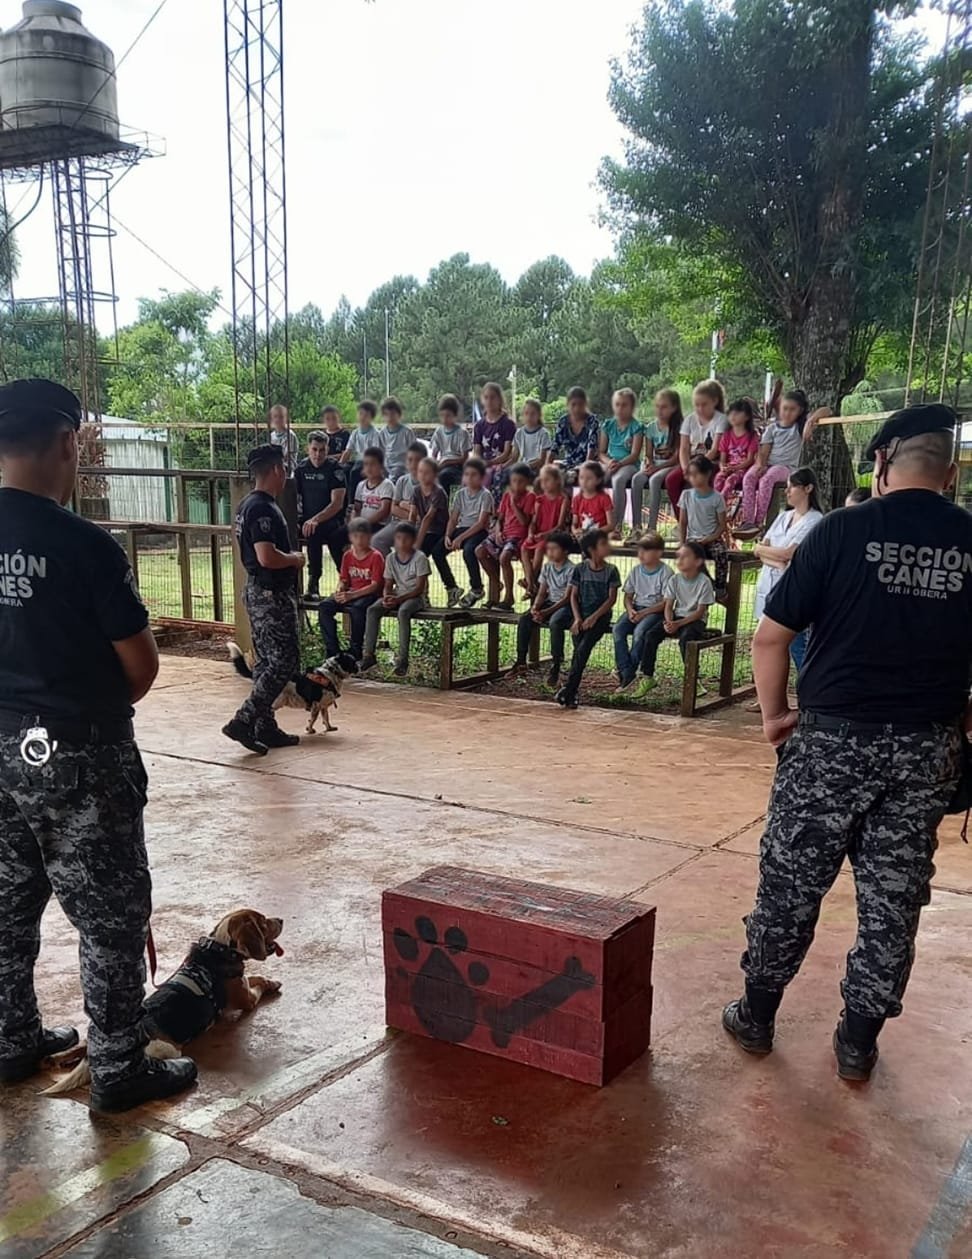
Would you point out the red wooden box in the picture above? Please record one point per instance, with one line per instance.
(551, 977)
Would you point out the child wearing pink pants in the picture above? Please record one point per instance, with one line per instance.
(779, 456)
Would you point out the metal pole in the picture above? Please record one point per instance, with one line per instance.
(387, 359)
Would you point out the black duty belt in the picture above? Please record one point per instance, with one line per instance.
(80, 733)
(846, 725)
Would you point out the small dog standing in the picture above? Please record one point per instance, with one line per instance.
(210, 981)
(315, 691)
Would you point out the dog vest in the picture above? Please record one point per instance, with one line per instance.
(188, 1002)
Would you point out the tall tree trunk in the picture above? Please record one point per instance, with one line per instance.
(820, 333)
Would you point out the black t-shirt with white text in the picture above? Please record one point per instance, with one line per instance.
(315, 486)
(67, 593)
(259, 519)
(886, 590)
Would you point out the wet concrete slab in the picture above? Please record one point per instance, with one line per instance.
(320, 857)
(696, 1149)
(222, 1209)
(61, 1169)
(482, 752)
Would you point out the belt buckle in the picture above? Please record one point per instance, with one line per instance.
(37, 747)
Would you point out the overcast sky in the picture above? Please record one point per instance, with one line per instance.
(415, 129)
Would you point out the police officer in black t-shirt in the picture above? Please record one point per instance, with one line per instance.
(868, 766)
(270, 599)
(322, 487)
(75, 654)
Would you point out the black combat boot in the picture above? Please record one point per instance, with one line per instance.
(274, 737)
(751, 1019)
(855, 1045)
(160, 1079)
(241, 733)
(53, 1040)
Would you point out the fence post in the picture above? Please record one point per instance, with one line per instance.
(733, 601)
(239, 488)
(215, 557)
(182, 548)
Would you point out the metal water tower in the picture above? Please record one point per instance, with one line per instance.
(59, 125)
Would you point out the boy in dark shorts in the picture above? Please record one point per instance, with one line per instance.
(502, 547)
(594, 587)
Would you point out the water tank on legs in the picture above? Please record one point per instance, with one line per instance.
(54, 73)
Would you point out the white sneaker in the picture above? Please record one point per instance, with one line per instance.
(455, 597)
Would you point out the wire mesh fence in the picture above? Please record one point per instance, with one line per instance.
(470, 647)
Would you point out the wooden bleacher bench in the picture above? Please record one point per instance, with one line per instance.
(451, 619)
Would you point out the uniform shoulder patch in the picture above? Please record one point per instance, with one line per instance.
(265, 523)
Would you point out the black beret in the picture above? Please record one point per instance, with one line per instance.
(932, 417)
(264, 454)
(36, 401)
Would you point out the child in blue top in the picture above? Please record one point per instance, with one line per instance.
(621, 440)
(644, 606)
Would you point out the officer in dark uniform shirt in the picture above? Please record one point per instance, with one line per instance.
(75, 654)
(868, 766)
(270, 599)
(322, 487)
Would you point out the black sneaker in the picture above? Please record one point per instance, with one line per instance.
(241, 733)
(401, 668)
(366, 663)
(553, 677)
(853, 1062)
(160, 1079)
(313, 589)
(755, 1038)
(274, 737)
(53, 1040)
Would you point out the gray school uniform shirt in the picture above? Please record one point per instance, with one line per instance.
(647, 587)
(557, 580)
(405, 488)
(362, 439)
(702, 513)
(689, 594)
(406, 574)
(450, 443)
(533, 443)
(471, 506)
(395, 442)
(785, 445)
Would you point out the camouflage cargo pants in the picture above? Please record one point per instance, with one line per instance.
(877, 798)
(74, 826)
(275, 630)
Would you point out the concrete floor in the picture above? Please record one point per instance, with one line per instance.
(314, 1132)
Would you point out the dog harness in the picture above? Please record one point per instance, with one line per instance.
(188, 1002)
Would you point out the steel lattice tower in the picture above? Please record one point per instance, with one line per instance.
(258, 206)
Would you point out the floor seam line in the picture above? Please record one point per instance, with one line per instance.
(450, 804)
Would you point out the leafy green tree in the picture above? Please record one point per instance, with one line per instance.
(453, 334)
(541, 294)
(785, 143)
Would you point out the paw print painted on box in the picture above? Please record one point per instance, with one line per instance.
(456, 1023)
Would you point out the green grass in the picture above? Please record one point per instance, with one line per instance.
(160, 586)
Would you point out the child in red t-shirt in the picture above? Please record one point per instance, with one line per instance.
(592, 507)
(550, 516)
(511, 530)
(360, 584)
